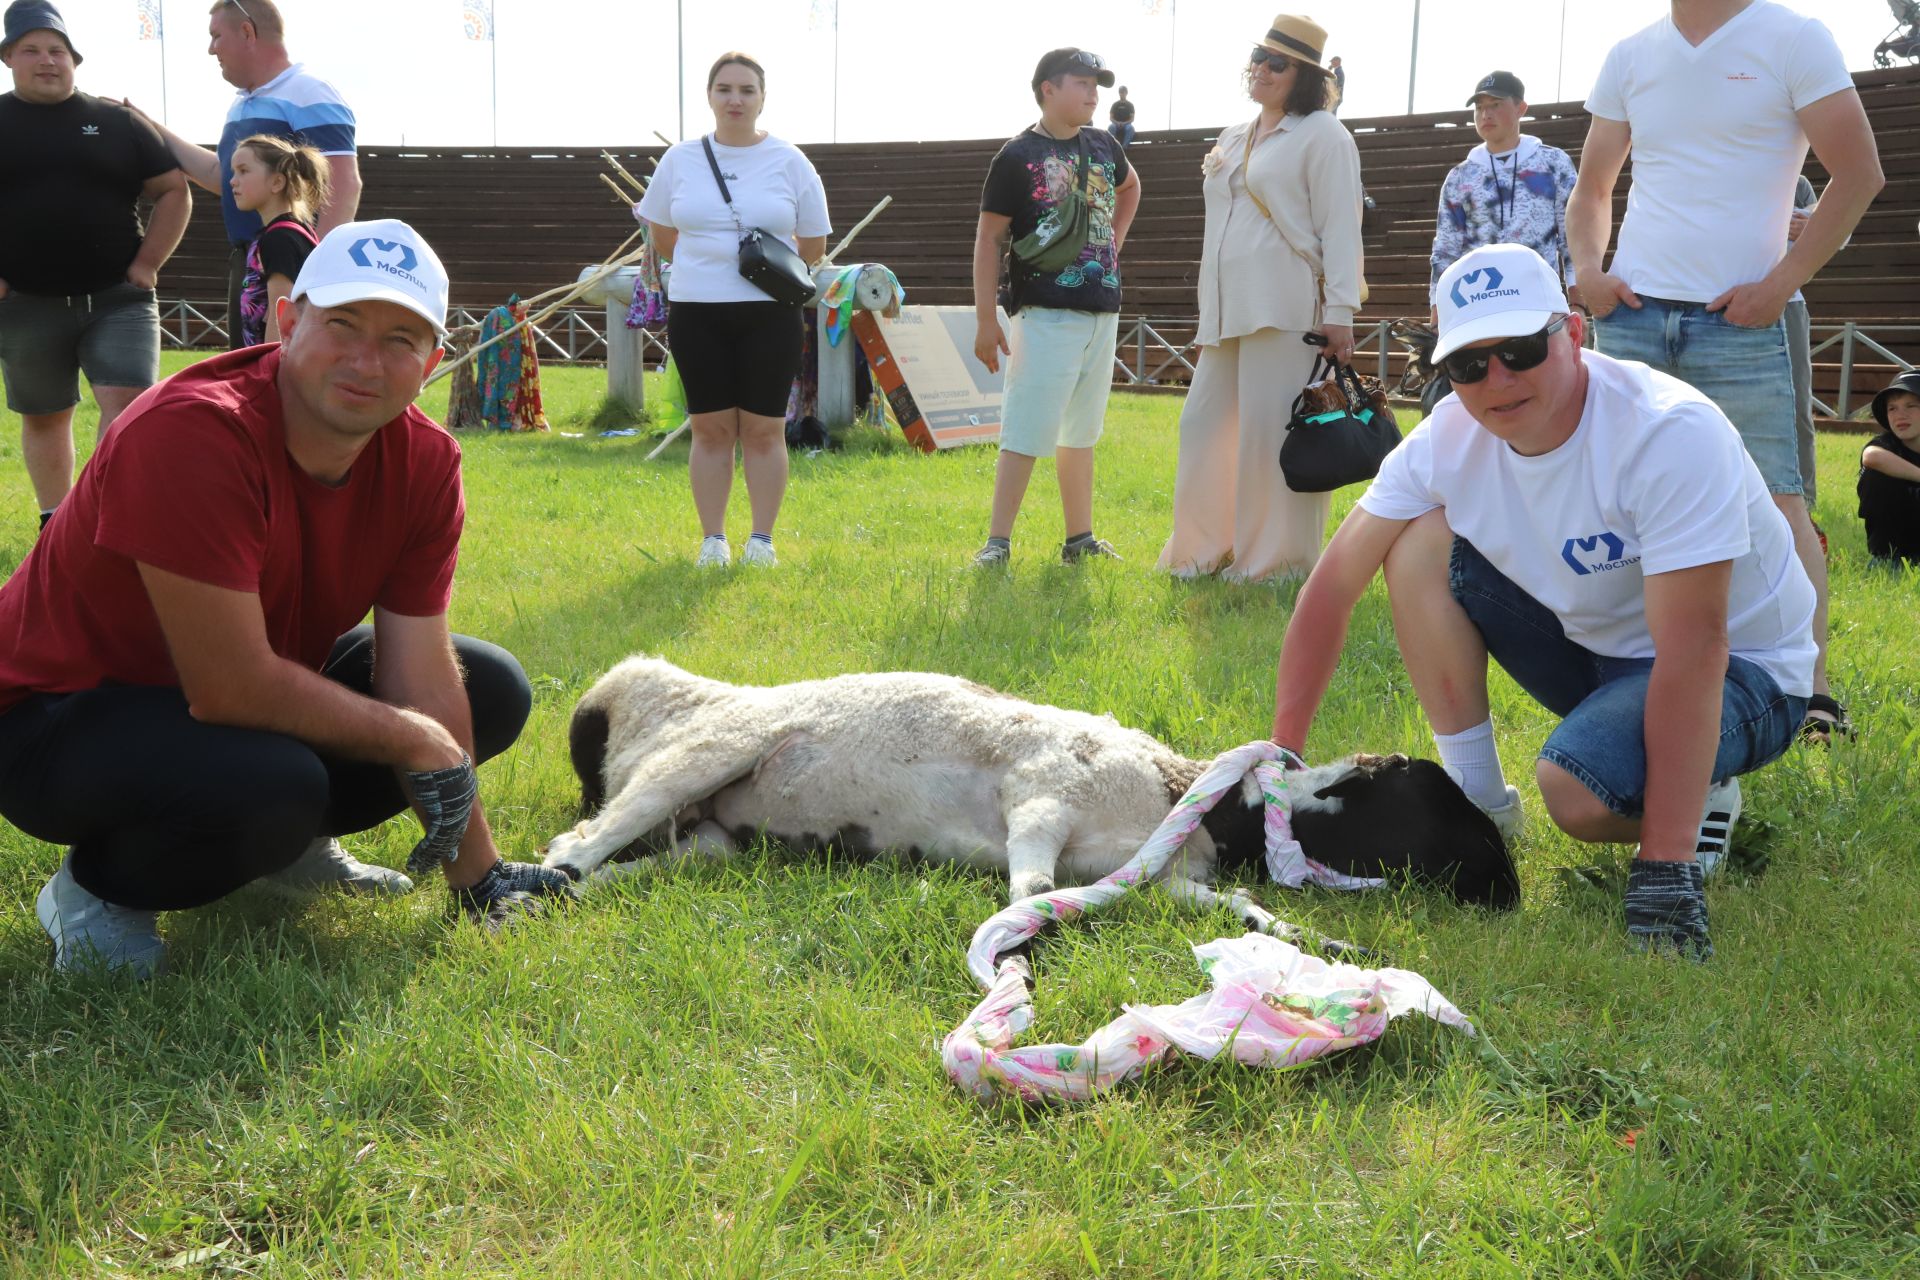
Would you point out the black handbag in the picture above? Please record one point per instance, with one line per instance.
(1340, 432)
(766, 262)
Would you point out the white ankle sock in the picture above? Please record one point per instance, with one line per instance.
(1470, 760)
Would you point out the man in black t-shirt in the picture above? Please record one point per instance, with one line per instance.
(1120, 119)
(77, 269)
(1066, 317)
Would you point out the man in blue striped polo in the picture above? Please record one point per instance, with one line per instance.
(276, 96)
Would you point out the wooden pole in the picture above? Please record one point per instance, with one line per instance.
(858, 227)
(568, 294)
(672, 435)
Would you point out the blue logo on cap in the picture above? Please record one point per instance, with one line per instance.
(408, 259)
(1492, 278)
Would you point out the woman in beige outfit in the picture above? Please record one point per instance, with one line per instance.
(1281, 257)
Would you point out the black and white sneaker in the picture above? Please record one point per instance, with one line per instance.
(1716, 826)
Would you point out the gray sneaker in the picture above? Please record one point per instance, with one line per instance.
(91, 933)
(325, 865)
(1098, 549)
(993, 555)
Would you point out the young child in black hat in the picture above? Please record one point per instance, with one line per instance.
(1890, 473)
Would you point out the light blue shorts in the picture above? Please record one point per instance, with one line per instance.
(1058, 380)
(1746, 372)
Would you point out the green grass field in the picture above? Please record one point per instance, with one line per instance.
(733, 1071)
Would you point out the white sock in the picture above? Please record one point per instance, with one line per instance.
(720, 538)
(1473, 764)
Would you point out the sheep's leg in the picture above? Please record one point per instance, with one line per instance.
(708, 840)
(1036, 832)
(1258, 919)
(661, 787)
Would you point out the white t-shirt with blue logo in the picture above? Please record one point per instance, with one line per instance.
(1654, 479)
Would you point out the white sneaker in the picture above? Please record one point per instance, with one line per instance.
(1509, 819)
(1716, 825)
(759, 553)
(325, 865)
(91, 933)
(714, 554)
(991, 556)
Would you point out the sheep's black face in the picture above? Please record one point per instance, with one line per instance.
(1403, 816)
(1239, 831)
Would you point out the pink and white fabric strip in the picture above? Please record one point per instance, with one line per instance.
(1271, 1004)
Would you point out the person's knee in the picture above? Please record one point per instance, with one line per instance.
(498, 693)
(715, 430)
(760, 436)
(1418, 557)
(1572, 807)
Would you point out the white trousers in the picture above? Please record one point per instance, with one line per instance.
(1231, 506)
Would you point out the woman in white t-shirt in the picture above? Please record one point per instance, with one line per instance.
(737, 350)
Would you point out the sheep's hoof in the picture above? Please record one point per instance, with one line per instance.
(1027, 886)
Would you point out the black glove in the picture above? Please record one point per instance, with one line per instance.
(1666, 904)
(512, 888)
(445, 799)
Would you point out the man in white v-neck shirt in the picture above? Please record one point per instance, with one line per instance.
(1718, 102)
(1597, 529)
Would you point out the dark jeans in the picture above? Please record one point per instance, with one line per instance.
(164, 812)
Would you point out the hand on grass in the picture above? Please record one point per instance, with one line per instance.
(512, 889)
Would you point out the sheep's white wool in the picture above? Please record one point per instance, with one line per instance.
(932, 764)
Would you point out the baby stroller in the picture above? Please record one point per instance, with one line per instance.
(1421, 379)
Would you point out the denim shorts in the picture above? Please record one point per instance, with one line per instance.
(1601, 701)
(1744, 371)
(46, 342)
(1058, 380)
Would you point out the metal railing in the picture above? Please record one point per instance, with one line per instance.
(1851, 336)
(575, 335)
(1141, 335)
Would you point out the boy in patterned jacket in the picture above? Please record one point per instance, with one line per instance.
(1511, 189)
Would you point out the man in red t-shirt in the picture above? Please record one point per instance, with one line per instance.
(186, 698)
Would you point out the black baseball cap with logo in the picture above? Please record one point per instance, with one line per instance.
(1499, 84)
(1071, 61)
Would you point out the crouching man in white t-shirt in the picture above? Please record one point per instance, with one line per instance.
(1598, 529)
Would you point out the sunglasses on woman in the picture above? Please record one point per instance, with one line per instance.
(1519, 355)
(1274, 62)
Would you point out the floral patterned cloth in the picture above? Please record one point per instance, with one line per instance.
(1271, 1005)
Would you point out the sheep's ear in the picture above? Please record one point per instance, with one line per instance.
(1343, 784)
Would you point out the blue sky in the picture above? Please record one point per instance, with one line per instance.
(581, 72)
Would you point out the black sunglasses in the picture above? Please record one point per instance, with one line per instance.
(1274, 62)
(1518, 354)
(1087, 58)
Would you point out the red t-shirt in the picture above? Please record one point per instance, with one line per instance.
(195, 479)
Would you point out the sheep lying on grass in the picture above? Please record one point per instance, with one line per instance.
(940, 768)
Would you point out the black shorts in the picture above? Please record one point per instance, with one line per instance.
(736, 355)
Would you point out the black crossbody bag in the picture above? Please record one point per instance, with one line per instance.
(765, 261)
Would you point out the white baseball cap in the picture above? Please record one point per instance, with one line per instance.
(1496, 291)
(383, 260)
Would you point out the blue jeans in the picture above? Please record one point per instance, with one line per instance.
(1601, 701)
(1746, 372)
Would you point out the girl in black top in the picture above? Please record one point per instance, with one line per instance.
(284, 183)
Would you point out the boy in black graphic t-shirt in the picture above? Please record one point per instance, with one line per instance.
(1066, 317)
(77, 270)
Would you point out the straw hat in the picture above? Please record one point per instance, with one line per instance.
(1298, 37)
